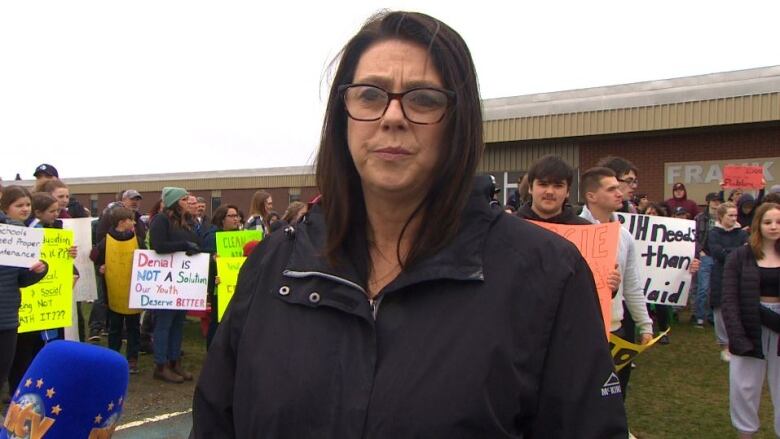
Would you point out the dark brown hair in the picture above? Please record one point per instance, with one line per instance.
(119, 214)
(756, 241)
(41, 201)
(291, 214)
(619, 165)
(218, 219)
(591, 179)
(178, 216)
(342, 200)
(551, 169)
(11, 194)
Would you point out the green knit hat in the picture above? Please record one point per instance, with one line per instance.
(171, 195)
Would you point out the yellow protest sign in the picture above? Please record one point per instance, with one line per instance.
(119, 270)
(598, 244)
(623, 352)
(48, 304)
(227, 270)
(231, 244)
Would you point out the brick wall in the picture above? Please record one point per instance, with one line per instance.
(650, 152)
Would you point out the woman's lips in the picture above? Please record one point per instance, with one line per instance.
(392, 153)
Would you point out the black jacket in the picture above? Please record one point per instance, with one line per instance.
(742, 303)
(497, 335)
(720, 243)
(567, 216)
(703, 228)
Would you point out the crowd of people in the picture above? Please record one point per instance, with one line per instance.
(404, 301)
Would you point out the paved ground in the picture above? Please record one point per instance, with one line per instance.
(173, 427)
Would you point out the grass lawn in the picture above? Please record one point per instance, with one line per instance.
(681, 390)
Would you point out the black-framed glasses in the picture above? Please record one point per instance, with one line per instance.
(630, 181)
(420, 105)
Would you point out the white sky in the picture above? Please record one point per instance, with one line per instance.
(115, 88)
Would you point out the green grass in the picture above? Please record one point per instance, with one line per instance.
(681, 390)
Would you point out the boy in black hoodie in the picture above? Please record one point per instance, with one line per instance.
(119, 245)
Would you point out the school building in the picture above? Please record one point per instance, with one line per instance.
(681, 129)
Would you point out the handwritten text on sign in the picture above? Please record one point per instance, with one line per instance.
(598, 244)
(19, 246)
(48, 303)
(748, 177)
(666, 248)
(170, 281)
(231, 244)
(227, 270)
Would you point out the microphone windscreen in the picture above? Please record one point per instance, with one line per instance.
(71, 390)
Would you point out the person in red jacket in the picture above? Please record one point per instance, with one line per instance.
(680, 199)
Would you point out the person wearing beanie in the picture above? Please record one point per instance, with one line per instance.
(171, 231)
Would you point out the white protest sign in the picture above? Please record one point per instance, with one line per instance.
(20, 246)
(170, 281)
(665, 249)
(86, 288)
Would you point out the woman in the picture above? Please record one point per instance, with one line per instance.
(403, 305)
(751, 303)
(725, 237)
(171, 231)
(16, 208)
(262, 203)
(225, 219)
(61, 193)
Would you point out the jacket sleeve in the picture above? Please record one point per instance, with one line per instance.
(739, 342)
(212, 408)
(28, 277)
(717, 249)
(159, 236)
(578, 396)
(98, 253)
(633, 295)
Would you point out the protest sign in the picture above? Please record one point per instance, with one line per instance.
(48, 303)
(623, 352)
(227, 270)
(20, 246)
(169, 281)
(86, 287)
(231, 244)
(598, 244)
(665, 248)
(745, 177)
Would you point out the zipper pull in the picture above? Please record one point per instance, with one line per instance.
(374, 304)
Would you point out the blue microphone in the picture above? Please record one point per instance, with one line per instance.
(71, 390)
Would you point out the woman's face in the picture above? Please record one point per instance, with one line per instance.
(393, 156)
(651, 211)
(269, 204)
(770, 225)
(49, 215)
(62, 195)
(729, 219)
(19, 210)
(231, 221)
(184, 203)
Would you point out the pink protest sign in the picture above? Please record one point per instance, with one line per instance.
(746, 177)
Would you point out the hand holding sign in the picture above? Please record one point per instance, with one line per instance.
(746, 177)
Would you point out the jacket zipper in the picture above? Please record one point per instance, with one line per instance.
(373, 303)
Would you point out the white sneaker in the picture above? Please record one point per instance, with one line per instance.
(725, 355)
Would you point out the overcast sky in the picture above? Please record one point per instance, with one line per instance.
(114, 88)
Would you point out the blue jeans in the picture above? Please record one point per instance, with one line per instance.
(168, 326)
(701, 309)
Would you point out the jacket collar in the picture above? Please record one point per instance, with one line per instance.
(461, 259)
(588, 215)
(565, 217)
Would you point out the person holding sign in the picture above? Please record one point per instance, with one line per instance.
(405, 306)
(172, 230)
(15, 206)
(114, 257)
(601, 191)
(226, 219)
(751, 312)
(549, 181)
